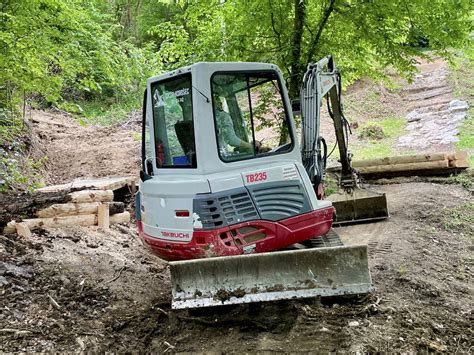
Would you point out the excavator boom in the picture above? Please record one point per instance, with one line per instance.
(354, 203)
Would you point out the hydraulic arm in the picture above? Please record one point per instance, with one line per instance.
(320, 81)
(323, 80)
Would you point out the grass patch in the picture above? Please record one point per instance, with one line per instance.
(331, 184)
(464, 179)
(104, 112)
(373, 151)
(461, 79)
(391, 127)
(100, 114)
(459, 218)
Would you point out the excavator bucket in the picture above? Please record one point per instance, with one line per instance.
(305, 273)
(363, 205)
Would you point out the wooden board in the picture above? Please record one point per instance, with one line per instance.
(103, 218)
(107, 183)
(459, 155)
(23, 230)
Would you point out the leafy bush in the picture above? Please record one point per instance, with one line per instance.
(67, 51)
(372, 131)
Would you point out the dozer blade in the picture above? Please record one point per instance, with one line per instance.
(362, 205)
(271, 276)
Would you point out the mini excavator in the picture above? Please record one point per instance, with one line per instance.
(234, 200)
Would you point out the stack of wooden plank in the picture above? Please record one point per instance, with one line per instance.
(423, 164)
(82, 202)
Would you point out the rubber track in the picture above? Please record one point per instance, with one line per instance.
(331, 239)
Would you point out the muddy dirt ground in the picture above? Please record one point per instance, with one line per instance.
(76, 151)
(81, 289)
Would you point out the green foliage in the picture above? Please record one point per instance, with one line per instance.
(66, 51)
(464, 179)
(103, 112)
(364, 36)
(372, 132)
(70, 51)
(391, 129)
(461, 80)
(16, 172)
(11, 128)
(21, 174)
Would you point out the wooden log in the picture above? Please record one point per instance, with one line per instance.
(39, 223)
(459, 155)
(400, 160)
(92, 196)
(103, 216)
(10, 228)
(430, 165)
(27, 205)
(462, 164)
(23, 230)
(69, 209)
(66, 221)
(123, 217)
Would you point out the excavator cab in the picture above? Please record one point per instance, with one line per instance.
(225, 194)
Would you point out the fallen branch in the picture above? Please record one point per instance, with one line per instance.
(16, 331)
(117, 276)
(54, 303)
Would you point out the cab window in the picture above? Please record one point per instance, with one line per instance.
(249, 114)
(173, 123)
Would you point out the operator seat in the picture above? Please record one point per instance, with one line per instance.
(185, 134)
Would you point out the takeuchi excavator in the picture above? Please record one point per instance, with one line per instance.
(231, 198)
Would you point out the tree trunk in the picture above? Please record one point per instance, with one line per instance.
(296, 66)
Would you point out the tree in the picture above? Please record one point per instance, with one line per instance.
(67, 49)
(365, 36)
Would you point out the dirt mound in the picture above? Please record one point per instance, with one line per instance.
(85, 289)
(75, 151)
